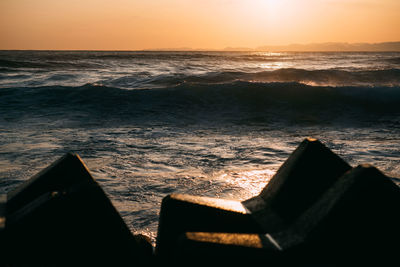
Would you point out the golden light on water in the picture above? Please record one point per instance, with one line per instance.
(274, 65)
(251, 181)
(270, 54)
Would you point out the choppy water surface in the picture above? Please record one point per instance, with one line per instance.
(216, 124)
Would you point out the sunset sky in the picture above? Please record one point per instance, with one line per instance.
(202, 24)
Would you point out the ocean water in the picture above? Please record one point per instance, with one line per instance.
(216, 124)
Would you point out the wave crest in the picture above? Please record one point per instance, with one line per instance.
(243, 102)
(386, 78)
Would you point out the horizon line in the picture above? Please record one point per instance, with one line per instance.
(324, 47)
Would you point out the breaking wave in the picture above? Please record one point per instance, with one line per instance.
(243, 102)
(332, 77)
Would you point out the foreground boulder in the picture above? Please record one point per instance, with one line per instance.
(301, 180)
(181, 213)
(310, 170)
(355, 222)
(62, 215)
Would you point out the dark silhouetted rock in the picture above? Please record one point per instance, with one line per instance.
(355, 222)
(285, 198)
(227, 248)
(309, 171)
(181, 213)
(62, 215)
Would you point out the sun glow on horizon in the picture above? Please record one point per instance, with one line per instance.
(214, 24)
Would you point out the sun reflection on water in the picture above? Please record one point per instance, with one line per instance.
(251, 181)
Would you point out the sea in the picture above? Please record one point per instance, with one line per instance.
(216, 124)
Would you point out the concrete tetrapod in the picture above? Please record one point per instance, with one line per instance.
(355, 222)
(284, 199)
(62, 215)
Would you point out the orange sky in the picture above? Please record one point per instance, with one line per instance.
(213, 24)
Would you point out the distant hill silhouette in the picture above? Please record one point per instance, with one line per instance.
(378, 47)
(313, 47)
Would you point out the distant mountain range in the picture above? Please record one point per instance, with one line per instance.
(313, 47)
(378, 47)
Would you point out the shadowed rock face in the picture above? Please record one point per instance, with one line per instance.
(316, 210)
(356, 220)
(181, 213)
(63, 215)
(309, 171)
(227, 248)
(64, 174)
(285, 198)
